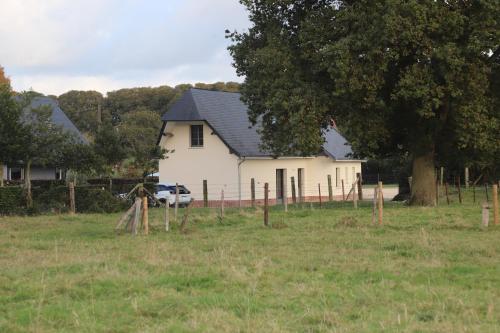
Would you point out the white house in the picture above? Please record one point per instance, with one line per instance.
(58, 117)
(208, 137)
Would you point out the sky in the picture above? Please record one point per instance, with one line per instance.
(53, 46)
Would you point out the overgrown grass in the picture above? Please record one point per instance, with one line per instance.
(320, 270)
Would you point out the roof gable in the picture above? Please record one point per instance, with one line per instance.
(227, 115)
(58, 117)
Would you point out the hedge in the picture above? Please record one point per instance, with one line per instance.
(89, 199)
(11, 200)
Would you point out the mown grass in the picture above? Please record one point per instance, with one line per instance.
(320, 270)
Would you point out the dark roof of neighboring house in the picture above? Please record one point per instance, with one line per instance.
(227, 115)
(58, 116)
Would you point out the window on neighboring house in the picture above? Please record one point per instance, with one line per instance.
(196, 135)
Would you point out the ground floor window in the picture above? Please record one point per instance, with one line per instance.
(15, 173)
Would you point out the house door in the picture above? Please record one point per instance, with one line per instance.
(279, 185)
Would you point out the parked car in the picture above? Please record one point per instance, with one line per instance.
(166, 192)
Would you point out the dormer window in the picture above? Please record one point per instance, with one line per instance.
(196, 136)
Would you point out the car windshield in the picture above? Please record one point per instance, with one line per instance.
(171, 189)
(161, 188)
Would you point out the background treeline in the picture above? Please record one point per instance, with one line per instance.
(126, 122)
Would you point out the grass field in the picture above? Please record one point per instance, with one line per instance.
(328, 270)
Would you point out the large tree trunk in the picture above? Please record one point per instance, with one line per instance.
(27, 184)
(423, 187)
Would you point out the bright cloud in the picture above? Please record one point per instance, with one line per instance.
(53, 46)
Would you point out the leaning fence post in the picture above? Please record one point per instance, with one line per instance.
(330, 191)
(72, 205)
(266, 204)
(176, 207)
(294, 195)
(343, 191)
(380, 204)
(494, 198)
(252, 190)
(205, 193)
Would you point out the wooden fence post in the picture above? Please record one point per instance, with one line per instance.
(486, 214)
(446, 191)
(494, 198)
(266, 204)
(354, 196)
(459, 190)
(221, 204)
(380, 198)
(185, 218)
(252, 190)
(205, 193)
(167, 215)
(294, 196)
(145, 216)
(437, 192)
(319, 190)
(330, 191)
(441, 177)
(374, 208)
(360, 186)
(301, 190)
(466, 178)
(285, 190)
(135, 223)
(343, 191)
(72, 204)
(176, 207)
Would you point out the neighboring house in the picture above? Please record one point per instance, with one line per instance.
(16, 172)
(208, 137)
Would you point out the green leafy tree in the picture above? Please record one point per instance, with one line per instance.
(108, 148)
(139, 130)
(11, 129)
(44, 142)
(399, 77)
(85, 109)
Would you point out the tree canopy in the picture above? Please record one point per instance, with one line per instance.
(399, 77)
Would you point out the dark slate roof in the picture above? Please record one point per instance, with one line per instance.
(58, 117)
(227, 115)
